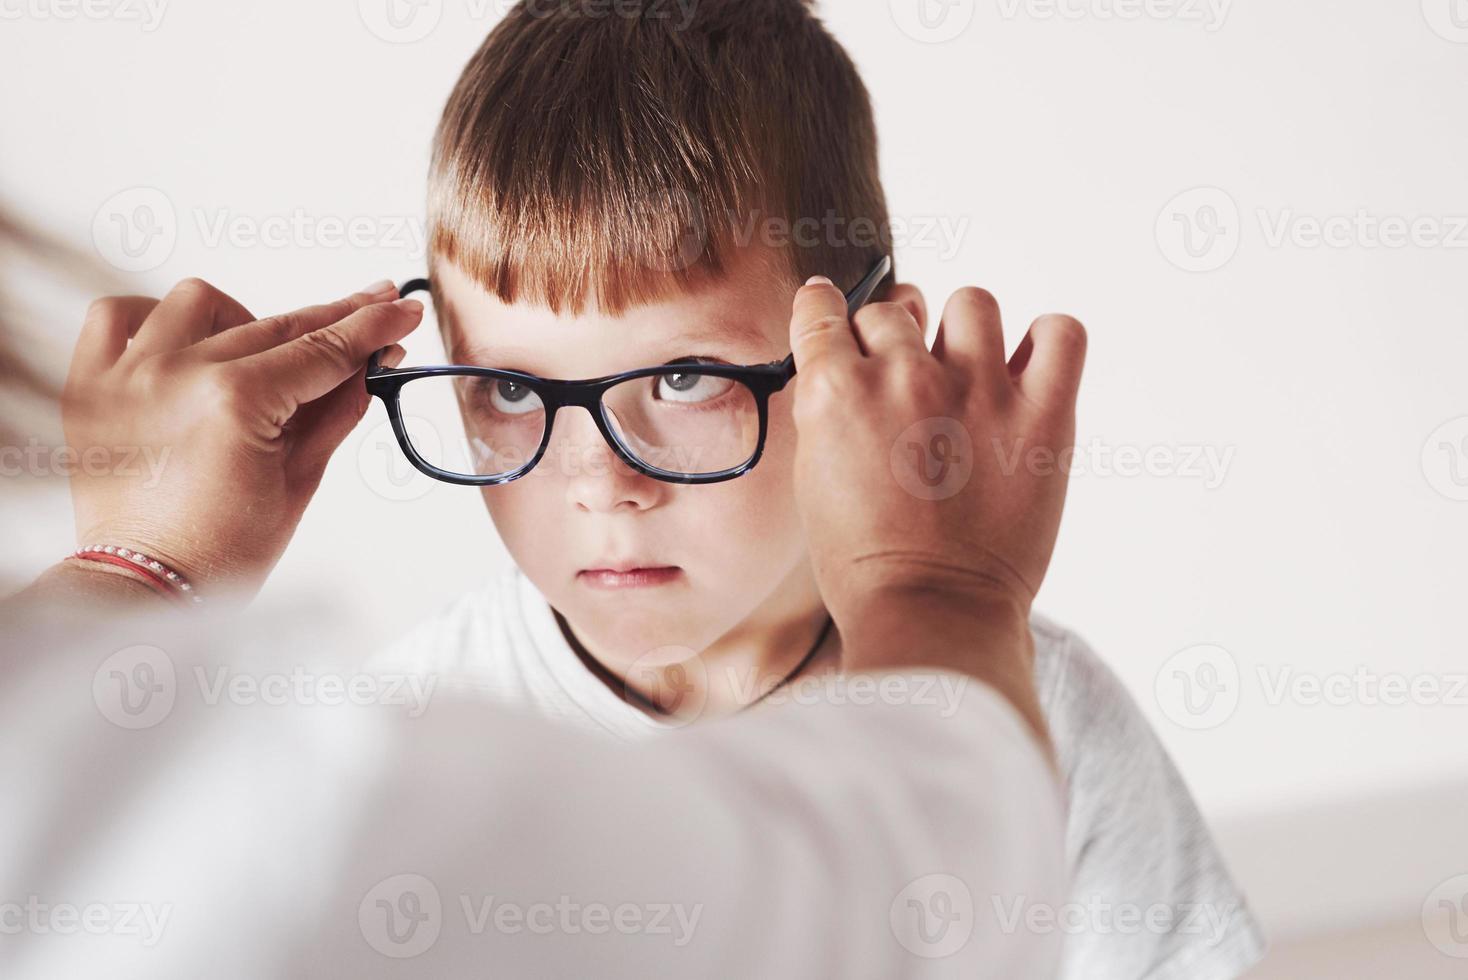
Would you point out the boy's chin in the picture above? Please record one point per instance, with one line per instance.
(630, 635)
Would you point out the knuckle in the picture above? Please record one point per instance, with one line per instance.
(976, 298)
(105, 308)
(328, 342)
(193, 288)
(223, 391)
(148, 375)
(912, 368)
(337, 310)
(156, 377)
(922, 387)
(1062, 330)
(825, 324)
(823, 389)
(278, 329)
(884, 312)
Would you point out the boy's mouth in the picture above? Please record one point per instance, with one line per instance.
(628, 575)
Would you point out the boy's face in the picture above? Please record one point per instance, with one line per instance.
(732, 554)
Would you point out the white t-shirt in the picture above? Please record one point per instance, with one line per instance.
(1150, 896)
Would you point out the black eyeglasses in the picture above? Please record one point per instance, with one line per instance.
(687, 421)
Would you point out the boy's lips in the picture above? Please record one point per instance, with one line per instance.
(627, 575)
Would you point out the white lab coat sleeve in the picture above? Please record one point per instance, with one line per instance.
(910, 830)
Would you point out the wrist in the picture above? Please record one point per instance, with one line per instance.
(164, 547)
(90, 582)
(898, 627)
(983, 636)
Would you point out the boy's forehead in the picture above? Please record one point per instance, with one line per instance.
(740, 316)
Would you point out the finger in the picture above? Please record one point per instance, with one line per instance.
(313, 364)
(273, 331)
(322, 425)
(885, 329)
(820, 332)
(109, 324)
(192, 311)
(393, 356)
(971, 334)
(1048, 363)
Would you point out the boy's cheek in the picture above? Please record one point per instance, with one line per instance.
(778, 460)
(727, 528)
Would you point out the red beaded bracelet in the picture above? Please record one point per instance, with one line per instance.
(159, 576)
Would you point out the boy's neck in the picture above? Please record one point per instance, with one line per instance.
(785, 640)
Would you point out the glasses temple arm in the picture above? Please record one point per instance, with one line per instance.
(855, 300)
(374, 363)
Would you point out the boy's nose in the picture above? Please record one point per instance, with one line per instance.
(597, 479)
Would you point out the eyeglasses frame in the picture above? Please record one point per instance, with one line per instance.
(762, 379)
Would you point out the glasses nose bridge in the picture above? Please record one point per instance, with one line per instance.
(586, 397)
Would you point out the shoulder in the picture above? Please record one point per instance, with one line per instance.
(1080, 694)
(1116, 769)
(1105, 747)
(458, 627)
(1135, 837)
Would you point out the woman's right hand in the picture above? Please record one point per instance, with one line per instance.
(914, 467)
(216, 427)
(929, 529)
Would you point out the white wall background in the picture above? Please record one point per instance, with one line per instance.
(1054, 148)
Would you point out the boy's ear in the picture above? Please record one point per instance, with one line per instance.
(910, 297)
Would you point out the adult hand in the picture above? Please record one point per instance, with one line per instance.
(924, 528)
(237, 415)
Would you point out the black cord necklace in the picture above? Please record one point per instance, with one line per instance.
(804, 662)
(647, 704)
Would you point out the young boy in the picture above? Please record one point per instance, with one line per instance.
(622, 191)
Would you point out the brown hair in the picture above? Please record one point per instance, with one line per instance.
(620, 152)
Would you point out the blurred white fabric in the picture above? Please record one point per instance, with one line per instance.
(195, 797)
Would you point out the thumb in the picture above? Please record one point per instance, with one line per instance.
(322, 425)
(820, 331)
(316, 363)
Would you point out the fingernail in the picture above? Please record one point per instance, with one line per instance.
(409, 306)
(819, 280)
(393, 357)
(380, 286)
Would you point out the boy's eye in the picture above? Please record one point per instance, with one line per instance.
(690, 387)
(508, 397)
